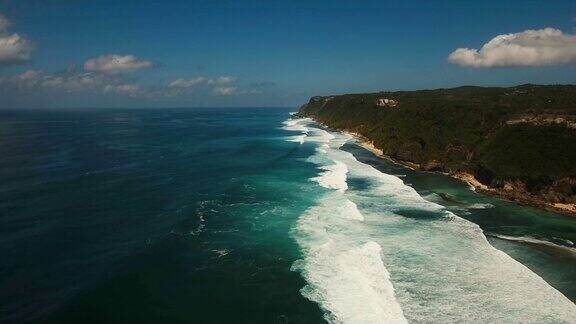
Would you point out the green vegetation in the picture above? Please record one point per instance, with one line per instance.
(524, 133)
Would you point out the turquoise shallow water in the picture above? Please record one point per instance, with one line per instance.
(234, 215)
(542, 240)
(382, 246)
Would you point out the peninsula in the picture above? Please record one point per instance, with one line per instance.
(518, 143)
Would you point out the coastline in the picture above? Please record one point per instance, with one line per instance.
(505, 219)
(470, 180)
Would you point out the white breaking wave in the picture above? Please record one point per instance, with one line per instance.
(532, 240)
(298, 139)
(333, 176)
(345, 276)
(296, 125)
(387, 255)
(481, 206)
(351, 211)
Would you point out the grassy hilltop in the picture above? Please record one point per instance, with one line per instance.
(520, 139)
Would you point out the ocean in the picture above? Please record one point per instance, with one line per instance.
(248, 216)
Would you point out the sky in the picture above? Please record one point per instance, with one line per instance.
(80, 53)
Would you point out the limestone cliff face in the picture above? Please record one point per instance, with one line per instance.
(520, 141)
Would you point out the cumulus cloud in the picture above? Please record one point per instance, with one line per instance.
(14, 48)
(74, 80)
(225, 85)
(541, 47)
(25, 80)
(229, 91)
(222, 80)
(33, 80)
(187, 83)
(224, 91)
(114, 63)
(124, 89)
(213, 81)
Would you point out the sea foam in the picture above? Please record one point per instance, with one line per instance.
(333, 176)
(568, 246)
(297, 125)
(345, 275)
(409, 258)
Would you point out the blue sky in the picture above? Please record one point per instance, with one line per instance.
(268, 53)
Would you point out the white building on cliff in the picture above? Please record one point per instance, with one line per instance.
(385, 102)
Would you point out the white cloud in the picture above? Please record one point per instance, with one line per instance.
(187, 83)
(217, 85)
(23, 81)
(14, 48)
(76, 82)
(197, 81)
(123, 89)
(28, 79)
(33, 80)
(29, 75)
(222, 80)
(113, 63)
(224, 91)
(547, 46)
(80, 81)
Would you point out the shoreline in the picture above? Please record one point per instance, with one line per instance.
(470, 180)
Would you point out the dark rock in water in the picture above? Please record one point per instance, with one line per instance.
(432, 166)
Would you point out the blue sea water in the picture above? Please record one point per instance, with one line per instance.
(243, 215)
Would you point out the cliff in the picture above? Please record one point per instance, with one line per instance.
(518, 142)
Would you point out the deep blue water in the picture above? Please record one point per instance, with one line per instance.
(210, 215)
(150, 215)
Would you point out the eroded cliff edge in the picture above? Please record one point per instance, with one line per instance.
(518, 142)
